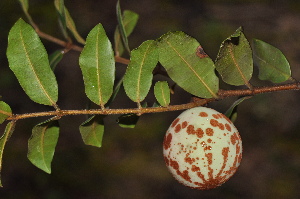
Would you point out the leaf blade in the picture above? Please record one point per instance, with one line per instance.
(177, 54)
(234, 61)
(121, 27)
(72, 27)
(5, 111)
(92, 131)
(272, 64)
(129, 19)
(162, 93)
(138, 77)
(4, 138)
(28, 59)
(98, 66)
(42, 143)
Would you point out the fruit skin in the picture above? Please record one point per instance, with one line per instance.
(202, 148)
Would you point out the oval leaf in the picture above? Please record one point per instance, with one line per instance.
(98, 66)
(138, 77)
(178, 53)
(5, 111)
(42, 143)
(28, 60)
(92, 131)
(7, 133)
(272, 64)
(234, 61)
(129, 20)
(162, 93)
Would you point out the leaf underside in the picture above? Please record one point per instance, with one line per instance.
(92, 131)
(196, 75)
(42, 143)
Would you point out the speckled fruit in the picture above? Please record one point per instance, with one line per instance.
(202, 148)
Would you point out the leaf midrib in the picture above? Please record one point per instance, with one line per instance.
(191, 68)
(32, 68)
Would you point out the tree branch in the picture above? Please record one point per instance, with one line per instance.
(195, 102)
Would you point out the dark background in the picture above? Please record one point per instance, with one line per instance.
(130, 162)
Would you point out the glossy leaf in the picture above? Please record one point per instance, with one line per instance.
(55, 58)
(4, 138)
(42, 143)
(5, 111)
(98, 66)
(272, 64)
(129, 19)
(28, 60)
(138, 77)
(121, 27)
(162, 93)
(92, 131)
(178, 53)
(234, 61)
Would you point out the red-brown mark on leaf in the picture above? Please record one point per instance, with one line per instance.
(200, 52)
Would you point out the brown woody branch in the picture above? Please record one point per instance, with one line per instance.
(195, 102)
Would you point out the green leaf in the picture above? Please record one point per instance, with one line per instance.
(7, 133)
(138, 77)
(98, 66)
(128, 120)
(72, 27)
(28, 60)
(60, 8)
(234, 61)
(272, 64)
(231, 113)
(178, 53)
(5, 111)
(129, 19)
(42, 143)
(92, 131)
(55, 58)
(121, 27)
(162, 93)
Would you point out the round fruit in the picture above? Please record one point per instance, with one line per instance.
(202, 148)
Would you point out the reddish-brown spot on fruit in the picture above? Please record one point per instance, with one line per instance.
(216, 116)
(175, 122)
(203, 114)
(234, 138)
(195, 168)
(167, 141)
(199, 132)
(221, 126)
(166, 160)
(184, 175)
(209, 158)
(174, 164)
(188, 159)
(209, 132)
(214, 122)
(184, 124)
(209, 140)
(227, 126)
(177, 128)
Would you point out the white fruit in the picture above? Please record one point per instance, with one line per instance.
(202, 148)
